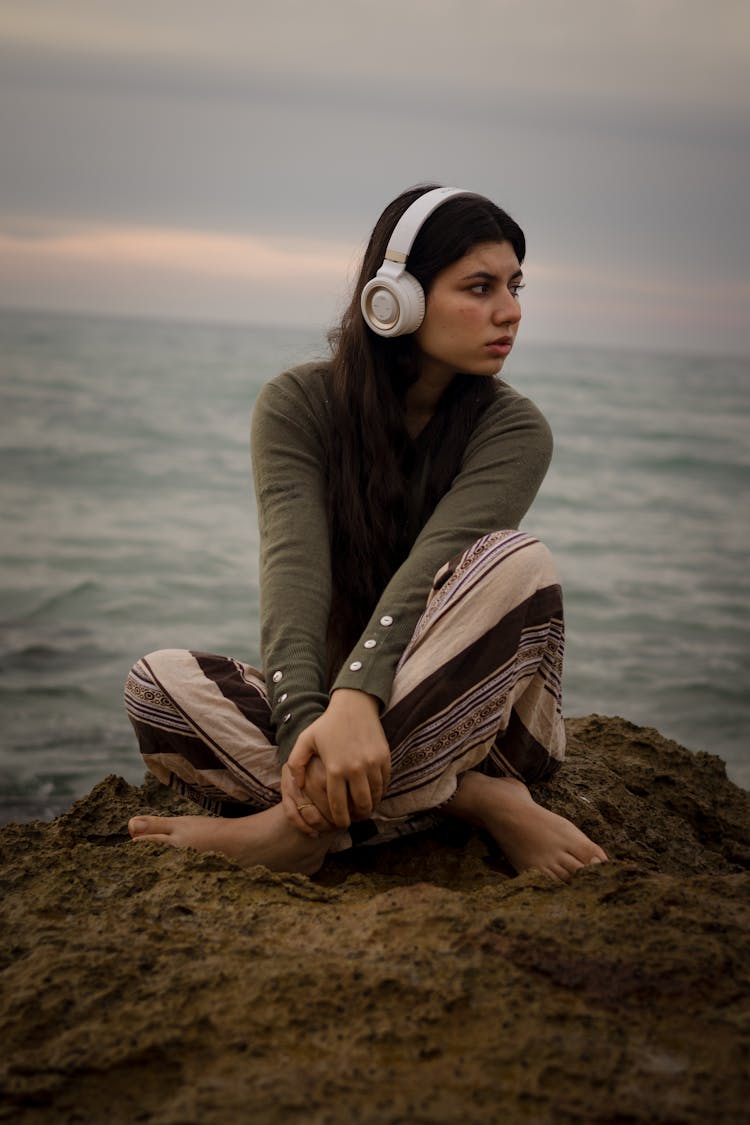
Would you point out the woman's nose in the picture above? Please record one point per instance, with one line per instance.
(507, 310)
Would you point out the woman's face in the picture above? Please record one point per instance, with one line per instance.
(472, 314)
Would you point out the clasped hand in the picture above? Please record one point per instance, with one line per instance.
(349, 743)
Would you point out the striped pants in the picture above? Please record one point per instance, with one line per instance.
(477, 687)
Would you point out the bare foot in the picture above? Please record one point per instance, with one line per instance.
(265, 837)
(529, 835)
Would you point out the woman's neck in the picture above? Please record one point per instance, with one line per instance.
(422, 398)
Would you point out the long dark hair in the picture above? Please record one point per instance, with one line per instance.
(370, 451)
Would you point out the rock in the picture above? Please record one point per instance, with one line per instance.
(413, 982)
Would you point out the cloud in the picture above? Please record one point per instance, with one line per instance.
(122, 269)
(669, 49)
(616, 134)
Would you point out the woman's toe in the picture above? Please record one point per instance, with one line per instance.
(145, 825)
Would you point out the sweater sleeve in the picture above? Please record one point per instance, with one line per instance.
(502, 468)
(295, 571)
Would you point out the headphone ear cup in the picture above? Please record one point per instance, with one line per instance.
(412, 304)
(393, 306)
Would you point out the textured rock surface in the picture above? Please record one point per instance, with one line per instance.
(416, 982)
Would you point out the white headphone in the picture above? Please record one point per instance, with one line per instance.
(393, 301)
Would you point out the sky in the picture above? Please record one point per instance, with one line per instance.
(227, 160)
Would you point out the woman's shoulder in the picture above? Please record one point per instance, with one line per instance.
(306, 383)
(509, 403)
(294, 403)
(511, 412)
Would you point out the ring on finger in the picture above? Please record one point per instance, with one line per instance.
(307, 805)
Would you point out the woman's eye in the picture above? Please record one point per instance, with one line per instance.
(516, 288)
(482, 288)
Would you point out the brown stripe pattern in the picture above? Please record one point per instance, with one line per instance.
(478, 686)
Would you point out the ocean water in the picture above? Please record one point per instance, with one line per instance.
(128, 524)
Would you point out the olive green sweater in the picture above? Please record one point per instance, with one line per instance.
(502, 468)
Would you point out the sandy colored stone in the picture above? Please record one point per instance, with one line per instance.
(411, 983)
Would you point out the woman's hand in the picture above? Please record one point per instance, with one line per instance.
(295, 802)
(350, 742)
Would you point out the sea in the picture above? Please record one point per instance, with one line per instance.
(128, 524)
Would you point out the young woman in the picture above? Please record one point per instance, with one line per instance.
(412, 637)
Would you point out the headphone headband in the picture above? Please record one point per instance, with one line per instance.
(410, 223)
(393, 301)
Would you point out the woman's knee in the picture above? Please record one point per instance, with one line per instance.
(508, 551)
(539, 559)
(142, 691)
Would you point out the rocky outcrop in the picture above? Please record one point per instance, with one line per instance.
(415, 982)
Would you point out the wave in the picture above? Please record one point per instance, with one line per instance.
(42, 691)
(41, 659)
(87, 589)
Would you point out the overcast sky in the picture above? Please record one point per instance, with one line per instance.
(228, 159)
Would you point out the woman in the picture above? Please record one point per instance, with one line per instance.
(412, 637)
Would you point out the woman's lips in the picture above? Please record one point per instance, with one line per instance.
(501, 346)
